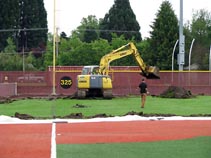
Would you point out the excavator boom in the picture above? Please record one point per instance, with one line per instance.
(95, 81)
(150, 72)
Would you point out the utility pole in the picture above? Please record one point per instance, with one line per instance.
(210, 60)
(181, 55)
(54, 51)
(57, 42)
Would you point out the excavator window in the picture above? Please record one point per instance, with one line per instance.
(95, 71)
(85, 71)
(92, 70)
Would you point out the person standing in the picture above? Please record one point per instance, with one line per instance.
(143, 92)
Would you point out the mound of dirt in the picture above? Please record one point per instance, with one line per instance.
(134, 113)
(4, 100)
(103, 115)
(176, 92)
(80, 106)
(24, 116)
(74, 116)
(100, 116)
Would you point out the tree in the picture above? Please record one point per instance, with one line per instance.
(30, 62)
(9, 19)
(75, 52)
(83, 53)
(200, 29)
(48, 56)
(201, 26)
(25, 21)
(120, 20)
(63, 35)
(144, 49)
(163, 36)
(88, 30)
(9, 59)
(116, 43)
(33, 22)
(10, 48)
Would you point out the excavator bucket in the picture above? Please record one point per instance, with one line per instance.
(152, 72)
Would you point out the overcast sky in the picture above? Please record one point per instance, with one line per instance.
(69, 13)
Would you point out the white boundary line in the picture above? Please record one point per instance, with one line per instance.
(53, 141)
(10, 120)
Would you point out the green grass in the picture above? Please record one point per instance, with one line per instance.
(189, 148)
(116, 106)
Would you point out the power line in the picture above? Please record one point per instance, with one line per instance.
(119, 31)
(90, 30)
(25, 29)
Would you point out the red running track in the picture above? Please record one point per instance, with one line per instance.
(131, 131)
(25, 140)
(34, 140)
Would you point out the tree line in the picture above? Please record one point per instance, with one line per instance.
(94, 38)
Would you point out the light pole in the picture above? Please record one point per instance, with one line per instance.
(210, 60)
(54, 50)
(172, 61)
(57, 42)
(24, 46)
(181, 55)
(23, 52)
(210, 66)
(190, 52)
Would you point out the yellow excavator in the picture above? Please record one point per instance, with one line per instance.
(95, 79)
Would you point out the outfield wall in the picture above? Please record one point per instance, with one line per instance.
(125, 81)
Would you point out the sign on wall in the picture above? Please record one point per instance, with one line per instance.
(66, 82)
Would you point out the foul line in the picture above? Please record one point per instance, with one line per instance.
(53, 141)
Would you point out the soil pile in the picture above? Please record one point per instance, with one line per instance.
(176, 92)
(4, 100)
(103, 115)
(24, 116)
(74, 115)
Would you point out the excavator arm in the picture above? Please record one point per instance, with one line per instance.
(150, 72)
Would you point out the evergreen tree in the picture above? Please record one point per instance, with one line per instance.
(163, 36)
(201, 31)
(27, 16)
(120, 20)
(9, 12)
(33, 22)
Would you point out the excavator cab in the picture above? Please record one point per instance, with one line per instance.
(151, 72)
(90, 70)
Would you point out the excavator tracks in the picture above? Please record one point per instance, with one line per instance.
(106, 94)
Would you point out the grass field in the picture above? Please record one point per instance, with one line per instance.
(114, 107)
(189, 148)
(199, 147)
